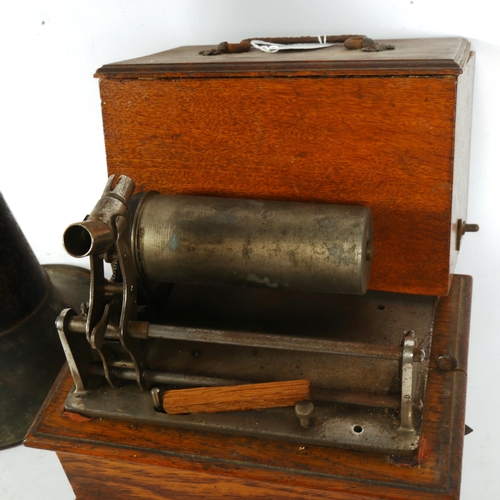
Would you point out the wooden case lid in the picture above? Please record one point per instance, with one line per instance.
(430, 56)
(388, 130)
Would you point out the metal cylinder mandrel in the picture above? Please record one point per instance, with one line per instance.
(283, 245)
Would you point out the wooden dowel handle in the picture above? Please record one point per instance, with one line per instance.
(236, 398)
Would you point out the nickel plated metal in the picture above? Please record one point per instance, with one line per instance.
(284, 245)
(268, 244)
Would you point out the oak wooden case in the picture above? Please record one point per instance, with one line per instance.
(387, 130)
(116, 459)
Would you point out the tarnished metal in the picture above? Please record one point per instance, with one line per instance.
(71, 354)
(304, 411)
(250, 339)
(97, 233)
(356, 398)
(256, 340)
(282, 245)
(164, 378)
(366, 357)
(156, 395)
(104, 236)
(407, 383)
(446, 363)
(462, 228)
(120, 371)
(129, 344)
(334, 425)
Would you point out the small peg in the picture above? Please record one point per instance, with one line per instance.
(303, 412)
(156, 395)
(463, 228)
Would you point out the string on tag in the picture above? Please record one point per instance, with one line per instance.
(265, 46)
(271, 47)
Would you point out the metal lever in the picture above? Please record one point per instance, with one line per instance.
(412, 355)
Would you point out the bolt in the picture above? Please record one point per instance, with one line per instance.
(303, 412)
(446, 363)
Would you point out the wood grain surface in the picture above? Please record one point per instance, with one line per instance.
(398, 145)
(416, 57)
(119, 459)
(236, 398)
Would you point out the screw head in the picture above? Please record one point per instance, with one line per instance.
(446, 363)
(304, 409)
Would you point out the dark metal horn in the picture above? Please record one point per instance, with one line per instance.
(31, 297)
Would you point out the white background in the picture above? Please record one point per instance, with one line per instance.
(52, 159)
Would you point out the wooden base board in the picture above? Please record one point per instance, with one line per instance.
(115, 459)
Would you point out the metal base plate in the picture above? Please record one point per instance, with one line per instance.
(342, 426)
(376, 318)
